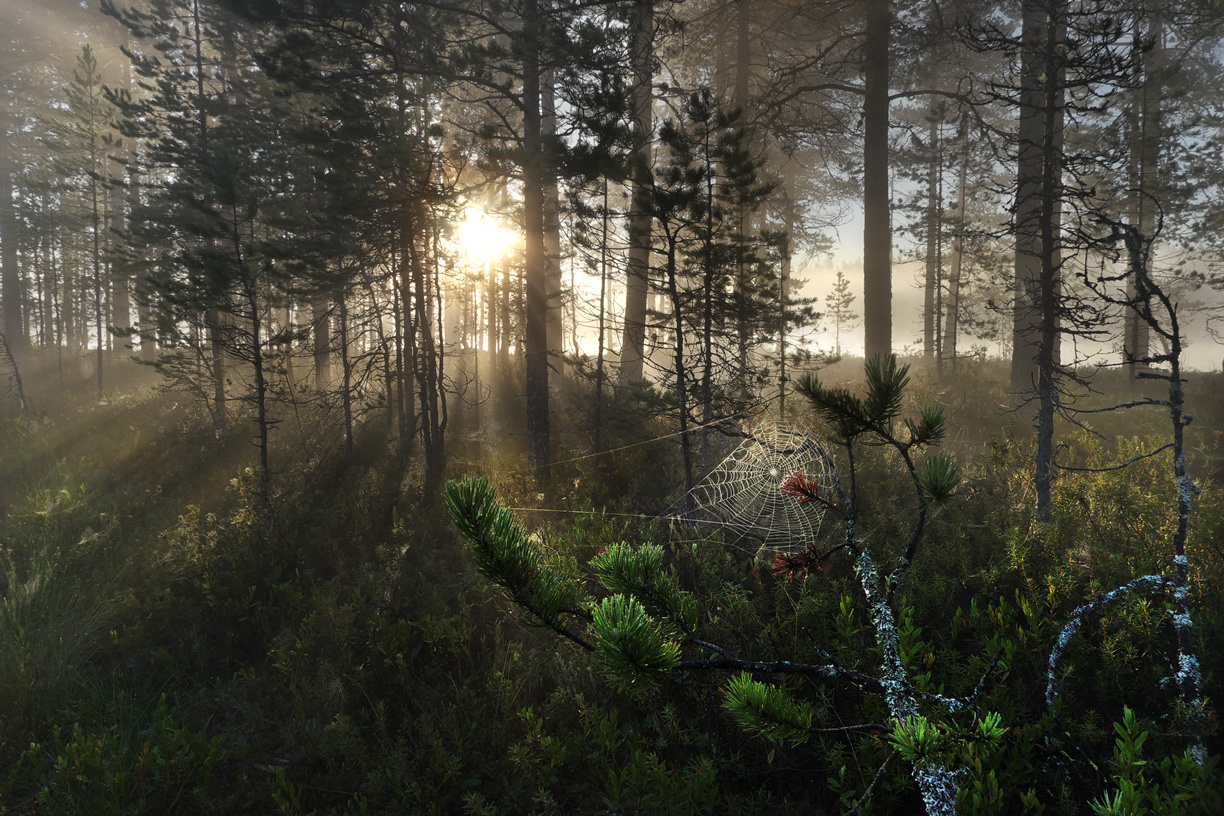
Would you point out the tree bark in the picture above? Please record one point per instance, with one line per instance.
(320, 336)
(121, 298)
(10, 275)
(951, 322)
(1026, 313)
(789, 216)
(1145, 156)
(1050, 282)
(877, 227)
(535, 339)
(930, 318)
(552, 226)
(642, 59)
(599, 356)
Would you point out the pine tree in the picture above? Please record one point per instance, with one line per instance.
(840, 303)
(84, 141)
(215, 168)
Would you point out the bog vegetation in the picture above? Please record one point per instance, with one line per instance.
(171, 643)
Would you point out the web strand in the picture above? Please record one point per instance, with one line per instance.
(743, 494)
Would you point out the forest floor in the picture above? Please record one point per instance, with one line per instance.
(167, 645)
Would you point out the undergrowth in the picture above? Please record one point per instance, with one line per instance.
(165, 646)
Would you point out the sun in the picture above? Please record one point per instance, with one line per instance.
(481, 237)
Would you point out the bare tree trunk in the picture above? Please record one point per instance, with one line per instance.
(536, 261)
(121, 298)
(1026, 311)
(144, 308)
(958, 249)
(1050, 283)
(320, 331)
(10, 274)
(743, 54)
(681, 371)
(404, 346)
(216, 332)
(930, 317)
(346, 373)
(552, 227)
(1145, 143)
(599, 356)
(784, 282)
(877, 226)
(263, 421)
(637, 286)
(95, 162)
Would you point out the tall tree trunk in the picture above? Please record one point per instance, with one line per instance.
(535, 338)
(1050, 283)
(121, 298)
(642, 59)
(214, 320)
(1026, 311)
(599, 355)
(320, 335)
(789, 218)
(425, 348)
(743, 54)
(434, 294)
(681, 372)
(262, 420)
(877, 226)
(722, 60)
(346, 373)
(10, 274)
(95, 195)
(144, 307)
(1146, 137)
(216, 334)
(743, 98)
(492, 305)
(552, 226)
(951, 324)
(404, 352)
(930, 316)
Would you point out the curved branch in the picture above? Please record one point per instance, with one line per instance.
(1119, 466)
(1077, 619)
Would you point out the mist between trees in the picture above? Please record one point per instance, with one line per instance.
(501, 197)
(571, 225)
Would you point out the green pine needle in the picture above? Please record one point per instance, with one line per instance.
(938, 478)
(640, 574)
(503, 552)
(630, 642)
(767, 710)
(886, 383)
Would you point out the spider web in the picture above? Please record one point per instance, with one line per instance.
(743, 495)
